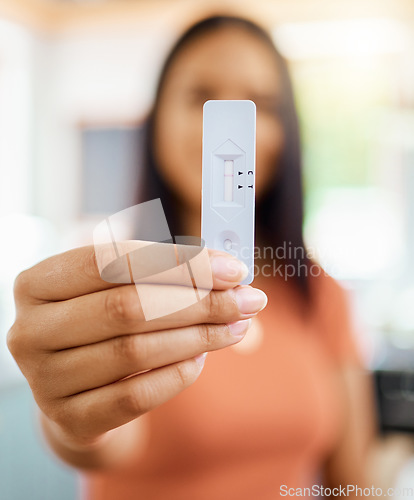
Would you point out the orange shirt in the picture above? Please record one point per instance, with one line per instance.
(255, 419)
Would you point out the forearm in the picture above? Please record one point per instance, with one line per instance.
(387, 456)
(363, 457)
(377, 472)
(376, 466)
(113, 449)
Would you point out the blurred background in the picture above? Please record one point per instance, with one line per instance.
(76, 81)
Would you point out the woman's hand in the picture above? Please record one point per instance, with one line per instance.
(92, 360)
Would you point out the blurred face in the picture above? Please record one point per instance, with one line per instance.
(229, 63)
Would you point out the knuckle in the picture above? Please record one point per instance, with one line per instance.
(21, 284)
(131, 404)
(90, 264)
(128, 348)
(16, 340)
(12, 340)
(208, 335)
(21, 346)
(184, 374)
(121, 305)
(73, 419)
(214, 306)
(63, 415)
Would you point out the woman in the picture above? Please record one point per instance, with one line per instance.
(291, 409)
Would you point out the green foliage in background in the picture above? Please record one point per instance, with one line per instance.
(338, 101)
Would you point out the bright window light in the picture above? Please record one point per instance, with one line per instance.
(356, 37)
(357, 233)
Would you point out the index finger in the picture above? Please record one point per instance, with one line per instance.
(90, 269)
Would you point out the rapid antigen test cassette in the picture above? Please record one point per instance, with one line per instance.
(229, 143)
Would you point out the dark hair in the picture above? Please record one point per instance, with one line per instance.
(279, 214)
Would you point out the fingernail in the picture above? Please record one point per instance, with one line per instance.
(228, 268)
(250, 300)
(239, 328)
(200, 359)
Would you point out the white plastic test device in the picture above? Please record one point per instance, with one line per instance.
(228, 194)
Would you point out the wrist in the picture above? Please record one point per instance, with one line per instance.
(109, 450)
(56, 434)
